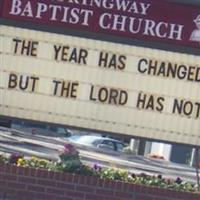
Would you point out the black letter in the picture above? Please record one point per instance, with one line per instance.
(12, 81)
(139, 65)
(179, 107)
(57, 49)
(91, 94)
(56, 86)
(17, 41)
(141, 100)
(160, 101)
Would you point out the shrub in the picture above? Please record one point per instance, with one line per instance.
(69, 159)
(3, 158)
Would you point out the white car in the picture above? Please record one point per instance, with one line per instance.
(98, 142)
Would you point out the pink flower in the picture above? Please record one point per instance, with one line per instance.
(68, 149)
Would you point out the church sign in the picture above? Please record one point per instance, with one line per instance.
(145, 20)
(99, 85)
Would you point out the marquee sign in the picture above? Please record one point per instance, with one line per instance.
(146, 20)
(99, 85)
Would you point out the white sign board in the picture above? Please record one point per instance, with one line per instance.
(99, 85)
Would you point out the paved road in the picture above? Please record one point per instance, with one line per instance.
(47, 147)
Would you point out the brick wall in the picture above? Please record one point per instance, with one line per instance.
(18, 183)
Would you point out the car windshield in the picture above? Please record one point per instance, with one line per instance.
(59, 130)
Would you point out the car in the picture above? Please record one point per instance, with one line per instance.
(41, 129)
(98, 142)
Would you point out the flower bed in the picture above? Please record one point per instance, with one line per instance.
(70, 162)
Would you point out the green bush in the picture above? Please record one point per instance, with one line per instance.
(3, 159)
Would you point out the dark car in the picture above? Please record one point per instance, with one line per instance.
(42, 129)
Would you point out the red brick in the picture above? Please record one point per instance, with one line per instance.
(143, 197)
(1, 176)
(25, 193)
(106, 183)
(160, 198)
(42, 173)
(186, 197)
(104, 192)
(94, 197)
(68, 177)
(127, 187)
(57, 176)
(27, 171)
(195, 197)
(90, 180)
(46, 182)
(82, 180)
(36, 188)
(51, 174)
(158, 192)
(191, 196)
(33, 172)
(74, 194)
(115, 198)
(2, 183)
(5, 190)
(20, 171)
(14, 169)
(112, 184)
(2, 168)
(39, 195)
(26, 180)
(138, 188)
(16, 185)
(144, 189)
(124, 195)
(55, 191)
(65, 185)
(75, 178)
(8, 177)
(50, 197)
(118, 185)
(64, 198)
(85, 189)
(100, 183)
(10, 195)
(8, 168)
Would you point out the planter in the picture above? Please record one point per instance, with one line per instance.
(20, 183)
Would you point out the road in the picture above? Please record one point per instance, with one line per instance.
(47, 147)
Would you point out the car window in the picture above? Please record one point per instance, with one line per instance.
(119, 146)
(60, 131)
(110, 144)
(33, 125)
(96, 142)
